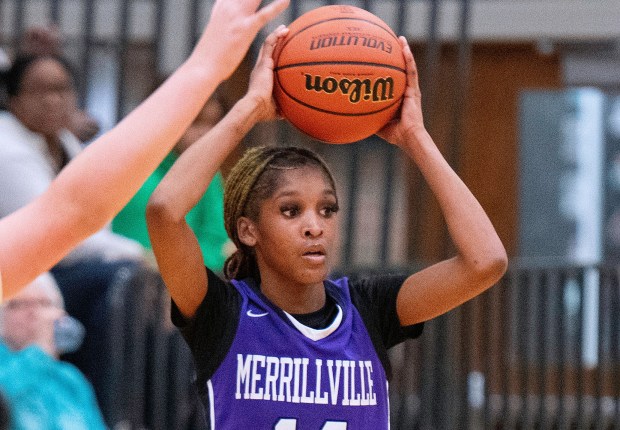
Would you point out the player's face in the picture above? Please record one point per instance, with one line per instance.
(297, 227)
(46, 97)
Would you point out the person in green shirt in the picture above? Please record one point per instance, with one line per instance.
(207, 217)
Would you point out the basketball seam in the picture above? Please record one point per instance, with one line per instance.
(347, 63)
(387, 30)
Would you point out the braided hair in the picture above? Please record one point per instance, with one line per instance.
(255, 178)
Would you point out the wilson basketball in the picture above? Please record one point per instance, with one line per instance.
(339, 74)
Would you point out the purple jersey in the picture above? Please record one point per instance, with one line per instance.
(281, 375)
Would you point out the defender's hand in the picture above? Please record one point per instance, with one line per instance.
(231, 29)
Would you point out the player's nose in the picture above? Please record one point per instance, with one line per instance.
(313, 226)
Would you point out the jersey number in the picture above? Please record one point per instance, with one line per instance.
(291, 424)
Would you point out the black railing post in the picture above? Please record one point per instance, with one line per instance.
(522, 353)
(564, 340)
(579, 348)
(158, 33)
(87, 48)
(55, 11)
(295, 9)
(122, 48)
(350, 223)
(541, 342)
(18, 21)
(506, 361)
(429, 75)
(467, 337)
(194, 20)
(599, 371)
(389, 169)
(614, 342)
(490, 318)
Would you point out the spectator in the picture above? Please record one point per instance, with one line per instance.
(207, 218)
(39, 41)
(40, 390)
(35, 146)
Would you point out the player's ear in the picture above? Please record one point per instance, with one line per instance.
(246, 229)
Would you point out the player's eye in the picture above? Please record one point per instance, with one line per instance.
(290, 211)
(329, 210)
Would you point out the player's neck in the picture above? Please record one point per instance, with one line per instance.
(294, 298)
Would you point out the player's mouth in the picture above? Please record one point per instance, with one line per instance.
(315, 254)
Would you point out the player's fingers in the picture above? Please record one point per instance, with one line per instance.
(268, 46)
(272, 40)
(412, 70)
(269, 12)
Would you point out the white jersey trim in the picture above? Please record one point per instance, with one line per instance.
(387, 387)
(317, 334)
(211, 404)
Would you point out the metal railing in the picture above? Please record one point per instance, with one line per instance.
(539, 350)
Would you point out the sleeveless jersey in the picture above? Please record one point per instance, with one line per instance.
(275, 376)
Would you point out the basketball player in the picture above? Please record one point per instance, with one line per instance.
(100, 181)
(278, 345)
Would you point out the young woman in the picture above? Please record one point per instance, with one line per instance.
(100, 181)
(278, 345)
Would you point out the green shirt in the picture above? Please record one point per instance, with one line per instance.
(206, 219)
(45, 393)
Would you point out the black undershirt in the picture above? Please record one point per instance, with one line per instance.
(319, 319)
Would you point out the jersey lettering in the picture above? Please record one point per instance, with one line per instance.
(286, 379)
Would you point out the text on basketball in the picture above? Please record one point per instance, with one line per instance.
(379, 90)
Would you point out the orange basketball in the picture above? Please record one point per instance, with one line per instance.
(339, 74)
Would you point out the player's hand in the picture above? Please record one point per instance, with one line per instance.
(260, 90)
(410, 121)
(232, 28)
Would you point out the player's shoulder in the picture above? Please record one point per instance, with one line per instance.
(221, 290)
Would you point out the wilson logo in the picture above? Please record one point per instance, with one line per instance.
(379, 90)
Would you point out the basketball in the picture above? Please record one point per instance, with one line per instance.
(339, 74)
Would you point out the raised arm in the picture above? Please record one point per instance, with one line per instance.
(174, 243)
(480, 256)
(100, 181)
